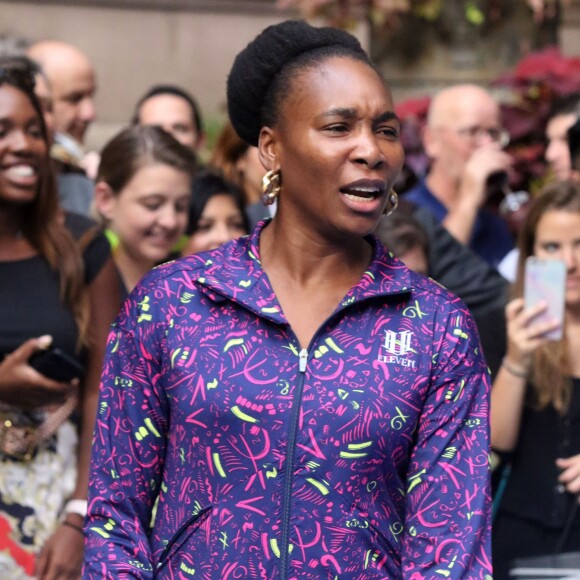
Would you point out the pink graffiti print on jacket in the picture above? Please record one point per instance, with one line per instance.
(223, 450)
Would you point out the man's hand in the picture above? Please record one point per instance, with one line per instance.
(484, 162)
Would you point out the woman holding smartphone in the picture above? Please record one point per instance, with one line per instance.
(535, 401)
(51, 293)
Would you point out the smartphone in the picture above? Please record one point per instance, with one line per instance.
(56, 364)
(546, 280)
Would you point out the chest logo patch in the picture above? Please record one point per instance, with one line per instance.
(396, 348)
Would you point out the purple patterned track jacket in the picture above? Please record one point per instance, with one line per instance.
(223, 450)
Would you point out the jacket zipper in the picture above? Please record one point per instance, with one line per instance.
(181, 536)
(292, 435)
(288, 478)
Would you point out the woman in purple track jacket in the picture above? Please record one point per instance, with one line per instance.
(296, 403)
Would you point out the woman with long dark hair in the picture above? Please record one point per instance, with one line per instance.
(53, 295)
(535, 402)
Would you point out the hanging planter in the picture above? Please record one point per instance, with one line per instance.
(406, 28)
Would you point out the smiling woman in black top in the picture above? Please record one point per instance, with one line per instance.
(50, 293)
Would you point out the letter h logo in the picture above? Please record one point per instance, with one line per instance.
(398, 343)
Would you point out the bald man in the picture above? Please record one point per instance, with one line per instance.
(71, 80)
(73, 84)
(464, 141)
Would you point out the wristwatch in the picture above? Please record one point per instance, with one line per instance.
(76, 506)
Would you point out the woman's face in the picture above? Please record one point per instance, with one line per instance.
(415, 259)
(558, 238)
(251, 171)
(220, 222)
(149, 214)
(22, 147)
(338, 148)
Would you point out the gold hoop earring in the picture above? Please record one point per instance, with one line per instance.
(392, 202)
(271, 186)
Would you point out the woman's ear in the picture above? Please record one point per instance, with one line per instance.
(104, 200)
(268, 149)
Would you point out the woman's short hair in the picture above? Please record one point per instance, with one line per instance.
(401, 232)
(262, 72)
(207, 184)
(137, 146)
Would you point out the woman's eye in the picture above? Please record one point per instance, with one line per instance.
(203, 227)
(152, 206)
(391, 132)
(238, 227)
(35, 132)
(337, 128)
(550, 247)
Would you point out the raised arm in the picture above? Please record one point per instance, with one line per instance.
(509, 387)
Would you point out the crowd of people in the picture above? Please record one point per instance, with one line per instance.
(280, 366)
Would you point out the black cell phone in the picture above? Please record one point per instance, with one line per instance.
(57, 365)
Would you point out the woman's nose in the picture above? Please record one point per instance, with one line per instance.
(19, 142)
(221, 234)
(571, 257)
(368, 151)
(168, 218)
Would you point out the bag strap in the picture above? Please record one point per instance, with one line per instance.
(567, 527)
(56, 418)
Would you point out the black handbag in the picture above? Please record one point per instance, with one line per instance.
(557, 566)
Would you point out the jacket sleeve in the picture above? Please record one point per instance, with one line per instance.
(448, 512)
(460, 270)
(128, 448)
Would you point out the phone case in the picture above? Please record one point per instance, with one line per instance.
(57, 365)
(546, 280)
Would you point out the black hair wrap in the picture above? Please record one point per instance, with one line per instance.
(257, 65)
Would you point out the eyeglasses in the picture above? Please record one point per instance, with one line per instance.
(475, 134)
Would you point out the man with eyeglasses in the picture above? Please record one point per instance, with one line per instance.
(464, 141)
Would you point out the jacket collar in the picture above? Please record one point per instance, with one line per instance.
(234, 272)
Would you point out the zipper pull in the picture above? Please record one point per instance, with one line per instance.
(303, 356)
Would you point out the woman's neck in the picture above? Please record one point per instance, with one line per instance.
(311, 260)
(13, 244)
(130, 269)
(573, 340)
(11, 220)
